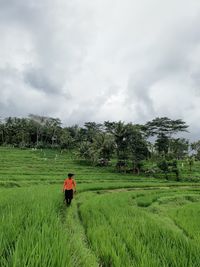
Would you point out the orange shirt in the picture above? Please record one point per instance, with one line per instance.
(69, 184)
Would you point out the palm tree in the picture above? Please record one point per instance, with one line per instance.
(104, 145)
(120, 132)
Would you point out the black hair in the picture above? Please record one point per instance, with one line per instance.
(70, 175)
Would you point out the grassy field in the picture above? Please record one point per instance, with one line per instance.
(115, 219)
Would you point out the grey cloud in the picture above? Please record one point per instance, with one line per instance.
(37, 78)
(57, 52)
(168, 59)
(86, 60)
(138, 93)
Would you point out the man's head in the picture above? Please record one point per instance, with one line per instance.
(70, 175)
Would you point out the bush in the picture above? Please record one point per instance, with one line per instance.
(168, 167)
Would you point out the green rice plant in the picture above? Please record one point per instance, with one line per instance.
(36, 230)
(121, 233)
(115, 219)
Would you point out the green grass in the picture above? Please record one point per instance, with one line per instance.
(115, 219)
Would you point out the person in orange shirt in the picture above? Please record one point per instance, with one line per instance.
(69, 187)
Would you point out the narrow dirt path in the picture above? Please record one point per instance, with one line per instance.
(118, 190)
(78, 239)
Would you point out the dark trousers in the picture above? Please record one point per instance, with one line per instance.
(68, 196)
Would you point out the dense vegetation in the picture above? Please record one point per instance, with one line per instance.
(116, 219)
(130, 145)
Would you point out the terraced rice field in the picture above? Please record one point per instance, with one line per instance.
(114, 220)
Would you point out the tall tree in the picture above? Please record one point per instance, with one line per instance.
(138, 148)
(179, 147)
(66, 140)
(195, 146)
(52, 131)
(164, 128)
(38, 122)
(91, 130)
(162, 144)
(2, 132)
(103, 144)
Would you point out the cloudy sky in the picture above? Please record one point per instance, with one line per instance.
(96, 60)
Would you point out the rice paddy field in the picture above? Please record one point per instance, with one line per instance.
(114, 220)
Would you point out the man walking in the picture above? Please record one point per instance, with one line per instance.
(69, 188)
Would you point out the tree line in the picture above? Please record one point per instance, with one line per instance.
(98, 143)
